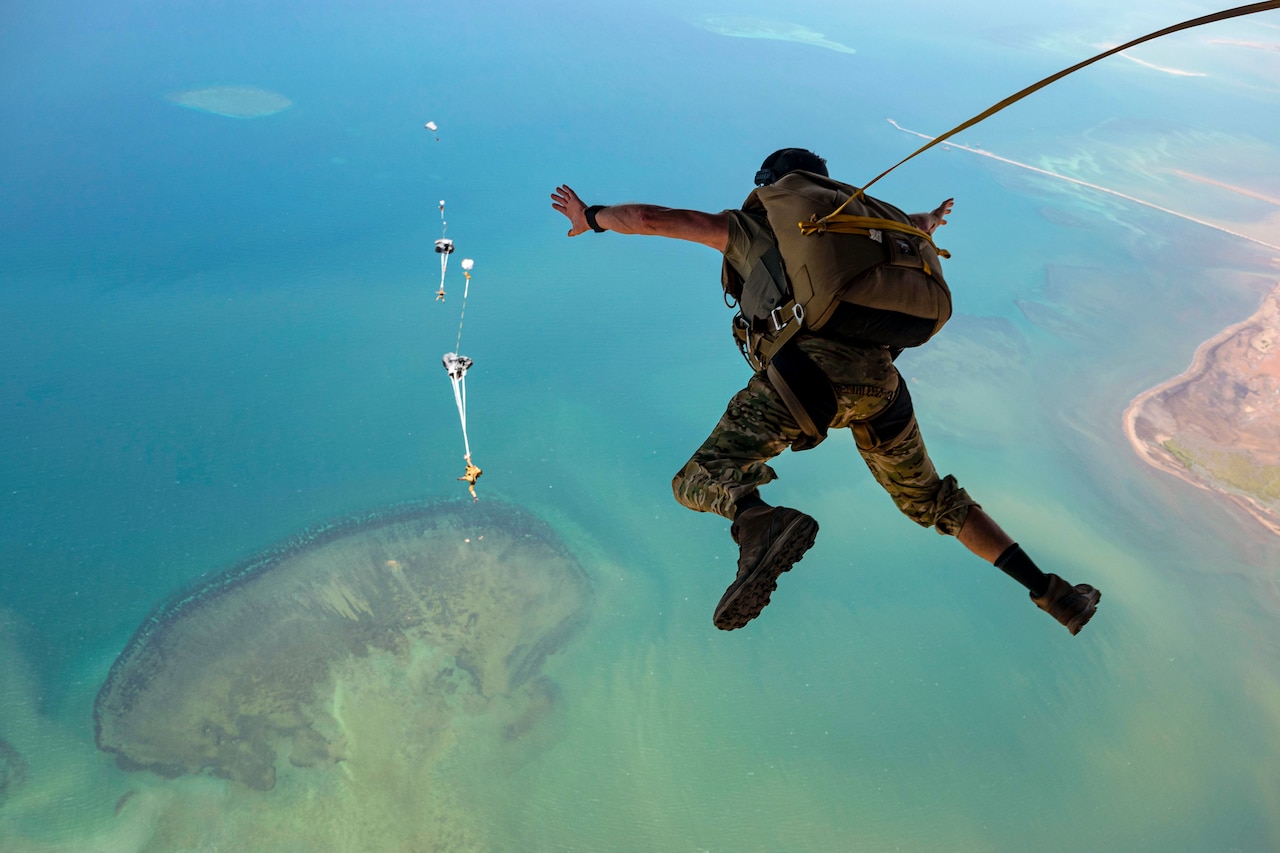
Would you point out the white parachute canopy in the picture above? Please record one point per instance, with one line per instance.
(431, 125)
(456, 365)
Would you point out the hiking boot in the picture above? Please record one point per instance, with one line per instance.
(1073, 606)
(771, 539)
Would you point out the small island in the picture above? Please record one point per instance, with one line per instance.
(1217, 425)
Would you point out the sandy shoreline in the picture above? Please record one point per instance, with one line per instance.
(1148, 441)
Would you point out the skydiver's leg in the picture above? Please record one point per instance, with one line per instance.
(891, 445)
(723, 477)
(902, 466)
(1073, 606)
(724, 474)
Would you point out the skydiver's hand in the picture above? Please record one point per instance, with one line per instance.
(942, 211)
(930, 222)
(565, 200)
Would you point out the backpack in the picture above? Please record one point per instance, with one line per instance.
(873, 277)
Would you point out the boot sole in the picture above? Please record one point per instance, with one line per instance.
(748, 595)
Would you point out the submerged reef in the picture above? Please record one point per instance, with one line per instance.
(232, 101)
(368, 636)
(742, 26)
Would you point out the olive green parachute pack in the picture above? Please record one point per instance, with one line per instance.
(871, 277)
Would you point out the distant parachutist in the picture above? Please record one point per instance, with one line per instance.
(433, 127)
(457, 366)
(472, 474)
(444, 248)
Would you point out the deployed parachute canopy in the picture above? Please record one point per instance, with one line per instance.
(456, 365)
(433, 127)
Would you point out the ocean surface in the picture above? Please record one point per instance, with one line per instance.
(216, 332)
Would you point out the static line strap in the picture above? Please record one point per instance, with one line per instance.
(847, 223)
(462, 316)
(1226, 14)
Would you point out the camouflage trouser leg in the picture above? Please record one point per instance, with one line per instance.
(902, 467)
(756, 427)
(733, 461)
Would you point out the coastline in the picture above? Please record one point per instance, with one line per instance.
(1150, 422)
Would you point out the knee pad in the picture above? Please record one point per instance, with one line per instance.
(890, 423)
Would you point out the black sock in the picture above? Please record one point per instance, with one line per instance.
(747, 502)
(1015, 563)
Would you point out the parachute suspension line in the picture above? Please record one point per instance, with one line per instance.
(1226, 14)
(460, 397)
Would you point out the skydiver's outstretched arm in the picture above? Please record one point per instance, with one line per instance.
(709, 229)
(929, 222)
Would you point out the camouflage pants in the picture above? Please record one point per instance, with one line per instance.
(757, 426)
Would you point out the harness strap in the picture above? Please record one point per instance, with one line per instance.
(806, 392)
(847, 223)
(760, 345)
(797, 409)
(1226, 14)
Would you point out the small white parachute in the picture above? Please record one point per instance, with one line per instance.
(433, 127)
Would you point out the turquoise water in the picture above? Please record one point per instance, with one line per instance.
(217, 332)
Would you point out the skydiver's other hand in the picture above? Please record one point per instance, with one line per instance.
(930, 222)
(944, 210)
(565, 200)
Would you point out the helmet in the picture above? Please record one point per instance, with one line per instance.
(786, 160)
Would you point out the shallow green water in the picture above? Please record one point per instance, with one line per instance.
(212, 350)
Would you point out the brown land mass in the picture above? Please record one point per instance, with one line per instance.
(1217, 425)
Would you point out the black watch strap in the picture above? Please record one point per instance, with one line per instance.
(590, 213)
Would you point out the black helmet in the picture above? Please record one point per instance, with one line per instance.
(787, 160)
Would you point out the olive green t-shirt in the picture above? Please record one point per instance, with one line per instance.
(744, 230)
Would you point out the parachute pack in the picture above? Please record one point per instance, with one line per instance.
(871, 276)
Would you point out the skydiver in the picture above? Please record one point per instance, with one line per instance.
(440, 294)
(473, 473)
(869, 396)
